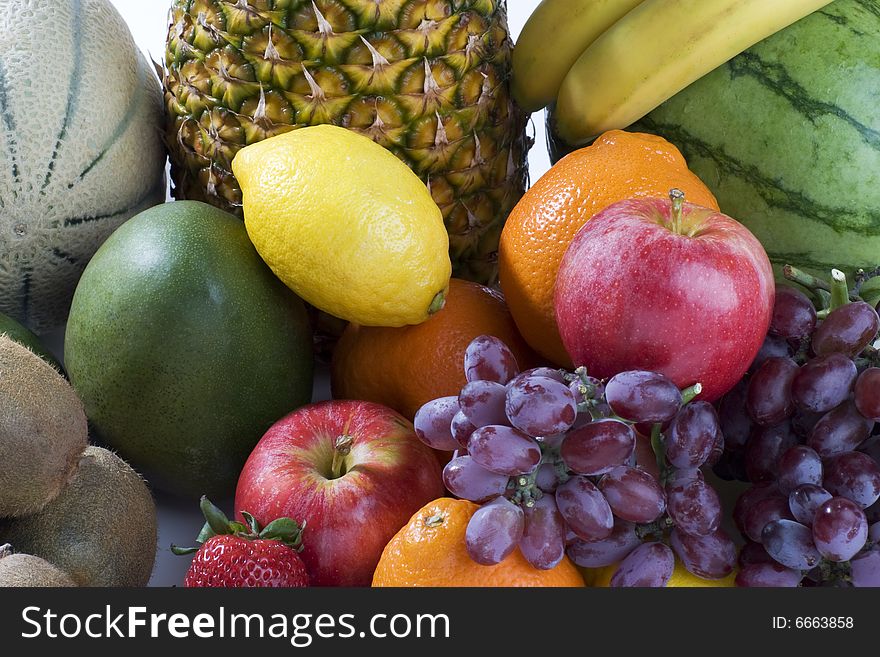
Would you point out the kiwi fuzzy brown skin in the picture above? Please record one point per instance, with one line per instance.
(101, 529)
(26, 570)
(43, 430)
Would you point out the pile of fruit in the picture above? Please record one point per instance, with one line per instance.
(647, 369)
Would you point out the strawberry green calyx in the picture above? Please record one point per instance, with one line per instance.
(285, 530)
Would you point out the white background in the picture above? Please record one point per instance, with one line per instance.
(179, 521)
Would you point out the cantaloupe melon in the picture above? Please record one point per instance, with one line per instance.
(80, 146)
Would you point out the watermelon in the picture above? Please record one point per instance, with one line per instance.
(787, 136)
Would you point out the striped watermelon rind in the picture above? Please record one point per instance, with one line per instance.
(787, 136)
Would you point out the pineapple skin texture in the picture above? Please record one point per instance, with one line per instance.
(426, 79)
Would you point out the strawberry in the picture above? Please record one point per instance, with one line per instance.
(235, 555)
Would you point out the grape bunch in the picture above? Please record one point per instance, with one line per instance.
(799, 427)
(550, 456)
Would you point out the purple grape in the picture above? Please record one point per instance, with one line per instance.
(554, 441)
(633, 494)
(461, 429)
(606, 551)
(865, 568)
(540, 406)
(644, 397)
(764, 449)
(840, 529)
(482, 403)
(717, 450)
(791, 544)
(794, 315)
(874, 532)
(547, 372)
(692, 435)
(803, 422)
(840, 430)
(585, 509)
(804, 500)
(772, 347)
(494, 531)
(649, 565)
(488, 359)
(763, 512)
(753, 552)
(824, 382)
(768, 398)
(543, 540)
(735, 421)
(694, 506)
(768, 575)
(432, 423)
(797, 466)
(853, 475)
(547, 479)
(504, 450)
(867, 393)
(847, 330)
(466, 479)
(749, 498)
(598, 447)
(712, 556)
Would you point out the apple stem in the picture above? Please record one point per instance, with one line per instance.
(677, 198)
(839, 289)
(341, 449)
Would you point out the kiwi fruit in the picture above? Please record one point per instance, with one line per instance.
(29, 571)
(101, 529)
(43, 430)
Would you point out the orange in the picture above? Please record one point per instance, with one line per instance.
(430, 551)
(618, 165)
(406, 367)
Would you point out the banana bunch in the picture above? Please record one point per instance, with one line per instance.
(607, 63)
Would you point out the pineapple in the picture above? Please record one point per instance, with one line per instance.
(427, 79)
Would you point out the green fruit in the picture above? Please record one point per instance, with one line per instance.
(185, 348)
(24, 336)
(43, 430)
(26, 570)
(101, 529)
(787, 136)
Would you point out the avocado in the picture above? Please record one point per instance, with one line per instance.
(185, 348)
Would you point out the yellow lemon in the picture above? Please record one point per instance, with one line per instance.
(681, 578)
(346, 225)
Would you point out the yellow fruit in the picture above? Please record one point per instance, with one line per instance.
(346, 225)
(681, 578)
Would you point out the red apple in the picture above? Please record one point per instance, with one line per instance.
(354, 471)
(663, 285)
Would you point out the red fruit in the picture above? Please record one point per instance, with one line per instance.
(235, 555)
(687, 294)
(354, 471)
(234, 562)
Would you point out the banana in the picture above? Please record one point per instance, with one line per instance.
(554, 36)
(655, 51)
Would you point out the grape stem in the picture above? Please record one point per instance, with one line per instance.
(659, 449)
(688, 394)
(821, 288)
(839, 289)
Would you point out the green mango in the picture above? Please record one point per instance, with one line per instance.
(185, 348)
